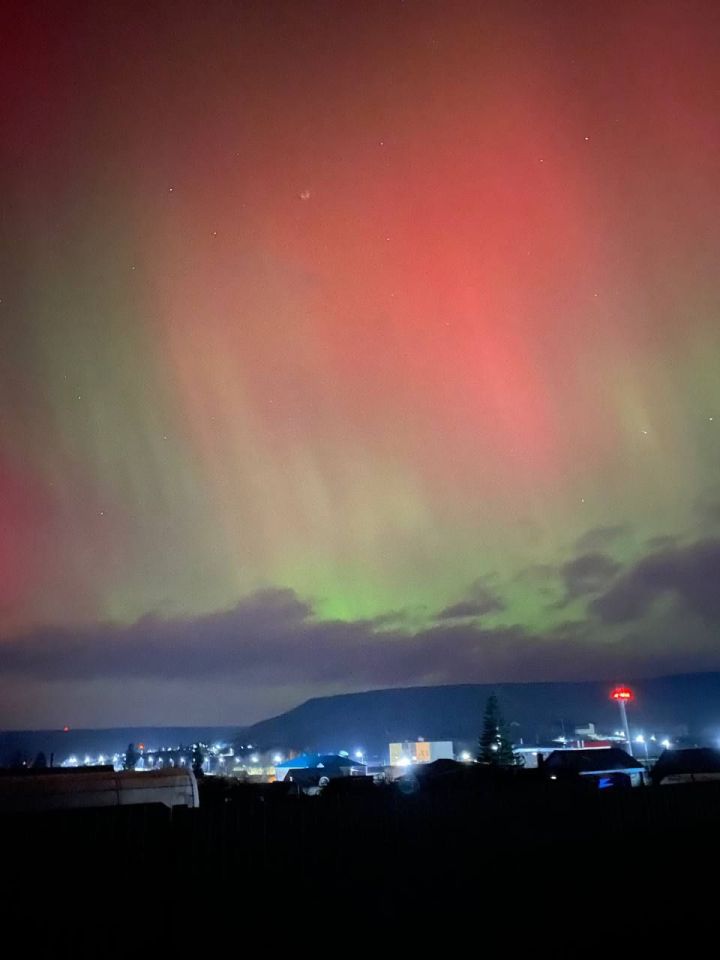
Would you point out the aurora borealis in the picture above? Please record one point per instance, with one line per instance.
(346, 345)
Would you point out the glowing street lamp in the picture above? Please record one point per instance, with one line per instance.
(623, 695)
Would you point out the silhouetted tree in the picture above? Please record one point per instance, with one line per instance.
(495, 747)
(40, 760)
(198, 758)
(131, 757)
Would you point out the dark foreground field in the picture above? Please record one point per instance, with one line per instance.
(454, 854)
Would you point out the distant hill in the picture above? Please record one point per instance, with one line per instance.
(666, 705)
(26, 744)
(672, 706)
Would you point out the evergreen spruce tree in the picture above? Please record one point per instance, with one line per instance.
(198, 758)
(495, 748)
(131, 757)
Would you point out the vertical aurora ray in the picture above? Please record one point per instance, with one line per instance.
(372, 310)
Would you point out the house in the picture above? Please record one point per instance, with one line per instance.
(609, 766)
(694, 765)
(317, 769)
(533, 757)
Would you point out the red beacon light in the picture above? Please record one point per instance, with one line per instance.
(624, 694)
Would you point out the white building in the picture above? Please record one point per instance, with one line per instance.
(409, 752)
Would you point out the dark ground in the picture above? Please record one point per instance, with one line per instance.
(522, 857)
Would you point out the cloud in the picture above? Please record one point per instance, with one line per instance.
(537, 573)
(272, 649)
(479, 601)
(261, 625)
(587, 574)
(707, 508)
(662, 542)
(689, 575)
(270, 638)
(599, 538)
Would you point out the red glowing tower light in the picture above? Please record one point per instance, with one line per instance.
(621, 696)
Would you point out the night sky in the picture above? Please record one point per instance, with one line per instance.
(354, 344)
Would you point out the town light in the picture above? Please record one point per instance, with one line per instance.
(665, 743)
(277, 758)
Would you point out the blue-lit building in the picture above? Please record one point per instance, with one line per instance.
(317, 769)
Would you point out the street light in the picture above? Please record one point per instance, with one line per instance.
(623, 695)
